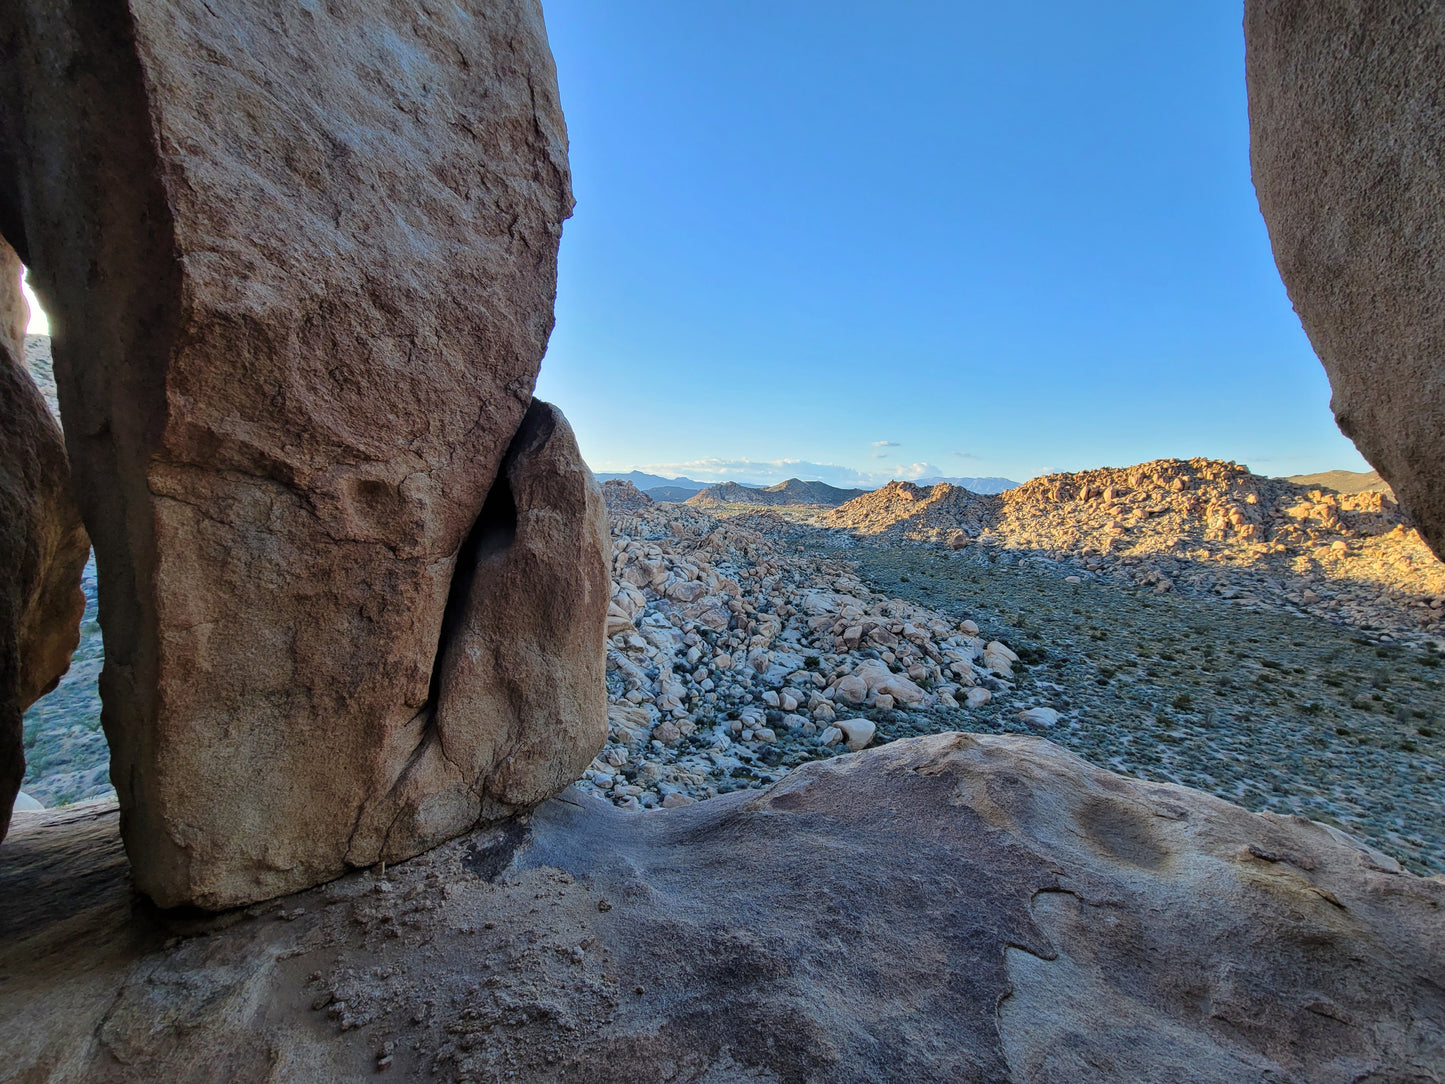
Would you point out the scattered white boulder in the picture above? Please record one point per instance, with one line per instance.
(857, 732)
(1039, 716)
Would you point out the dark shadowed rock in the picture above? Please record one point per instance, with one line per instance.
(1347, 115)
(943, 909)
(43, 546)
(302, 263)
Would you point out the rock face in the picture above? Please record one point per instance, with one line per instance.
(951, 908)
(1346, 110)
(520, 703)
(303, 267)
(43, 546)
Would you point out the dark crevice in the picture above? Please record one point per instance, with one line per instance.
(493, 533)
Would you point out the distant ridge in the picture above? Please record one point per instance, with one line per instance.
(644, 481)
(977, 485)
(670, 493)
(793, 491)
(1344, 481)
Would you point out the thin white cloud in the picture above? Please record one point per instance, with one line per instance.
(886, 444)
(967, 455)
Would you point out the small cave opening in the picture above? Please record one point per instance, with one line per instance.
(67, 758)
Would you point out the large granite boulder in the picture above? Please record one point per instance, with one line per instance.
(1347, 115)
(302, 260)
(942, 909)
(43, 546)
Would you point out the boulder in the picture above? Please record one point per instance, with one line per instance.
(1346, 108)
(43, 546)
(940, 909)
(302, 263)
(858, 733)
(520, 707)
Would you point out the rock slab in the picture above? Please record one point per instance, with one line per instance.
(43, 546)
(951, 908)
(302, 265)
(1346, 117)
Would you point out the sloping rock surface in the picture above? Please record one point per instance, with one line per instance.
(43, 546)
(950, 908)
(1346, 116)
(304, 262)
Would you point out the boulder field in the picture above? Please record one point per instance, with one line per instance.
(357, 589)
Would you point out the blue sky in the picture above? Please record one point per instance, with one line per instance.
(1007, 239)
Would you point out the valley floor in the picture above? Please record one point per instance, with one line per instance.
(1269, 709)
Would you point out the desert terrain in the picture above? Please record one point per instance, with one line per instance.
(1273, 643)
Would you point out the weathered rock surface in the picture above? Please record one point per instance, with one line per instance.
(942, 909)
(43, 546)
(520, 706)
(1346, 112)
(303, 266)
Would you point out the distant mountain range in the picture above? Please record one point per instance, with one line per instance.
(977, 485)
(675, 494)
(646, 482)
(660, 488)
(793, 491)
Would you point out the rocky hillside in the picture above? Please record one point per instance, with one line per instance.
(792, 492)
(1345, 481)
(1199, 524)
(676, 494)
(622, 496)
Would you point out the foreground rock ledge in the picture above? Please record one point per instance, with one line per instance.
(950, 908)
